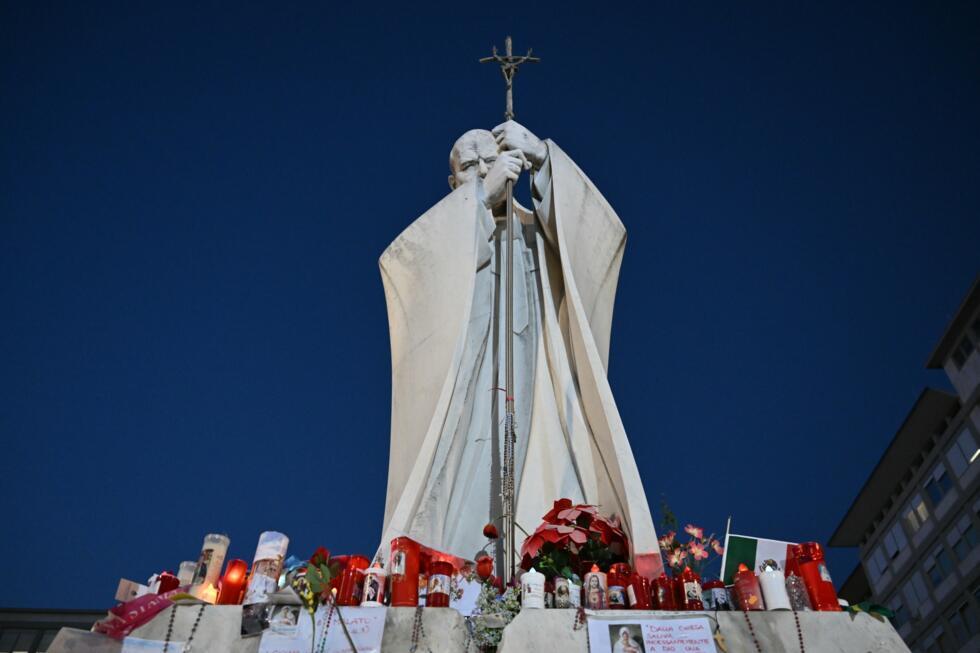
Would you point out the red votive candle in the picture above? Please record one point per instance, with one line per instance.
(440, 576)
(404, 571)
(352, 581)
(813, 569)
(662, 593)
(638, 593)
(232, 583)
(687, 590)
(167, 582)
(747, 591)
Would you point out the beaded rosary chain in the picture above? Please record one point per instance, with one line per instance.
(170, 628)
(755, 640)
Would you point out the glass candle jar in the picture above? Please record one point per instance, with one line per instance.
(617, 578)
(663, 593)
(747, 591)
(440, 579)
(638, 593)
(404, 570)
(595, 589)
(688, 590)
(266, 567)
(352, 580)
(209, 564)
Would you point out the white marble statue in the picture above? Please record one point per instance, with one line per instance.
(444, 285)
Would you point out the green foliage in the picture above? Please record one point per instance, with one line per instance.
(319, 576)
(669, 519)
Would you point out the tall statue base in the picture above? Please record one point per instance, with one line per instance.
(546, 631)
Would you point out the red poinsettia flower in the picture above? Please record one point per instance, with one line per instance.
(320, 557)
(490, 531)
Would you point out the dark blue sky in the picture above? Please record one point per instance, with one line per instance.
(193, 334)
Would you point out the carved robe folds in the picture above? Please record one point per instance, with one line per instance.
(441, 285)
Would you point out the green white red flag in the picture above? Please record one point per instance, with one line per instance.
(752, 552)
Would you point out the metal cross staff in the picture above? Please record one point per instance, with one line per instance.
(508, 66)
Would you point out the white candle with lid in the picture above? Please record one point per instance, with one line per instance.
(532, 589)
(773, 584)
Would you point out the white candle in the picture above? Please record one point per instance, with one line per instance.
(532, 589)
(185, 575)
(266, 565)
(209, 563)
(773, 585)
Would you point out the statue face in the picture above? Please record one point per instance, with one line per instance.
(472, 156)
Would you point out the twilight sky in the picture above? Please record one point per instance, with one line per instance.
(193, 334)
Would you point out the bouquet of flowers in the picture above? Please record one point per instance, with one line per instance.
(573, 534)
(693, 553)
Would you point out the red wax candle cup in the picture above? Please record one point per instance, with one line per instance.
(687, 589)
(232, 583)
(167, 582)
(638, 593)
(663, 593)
(747, 592)
(404, 570)
(440, 576)
(813, 570)
(352, 581)
(617, 579)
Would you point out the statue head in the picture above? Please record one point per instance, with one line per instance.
(472, 156)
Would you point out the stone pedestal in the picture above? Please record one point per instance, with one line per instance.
(546, 631)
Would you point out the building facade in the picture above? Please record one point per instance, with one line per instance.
(916, 521)
(31, 631)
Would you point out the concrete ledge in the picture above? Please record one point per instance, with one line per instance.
(823, 632)
(532, 630)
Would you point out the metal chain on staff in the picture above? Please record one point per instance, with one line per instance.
(508, 66)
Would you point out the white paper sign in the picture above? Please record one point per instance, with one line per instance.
(365, 626)
(686, 635)
(464, 595)
(137, 645)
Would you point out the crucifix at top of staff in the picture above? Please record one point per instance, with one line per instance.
(508, 66)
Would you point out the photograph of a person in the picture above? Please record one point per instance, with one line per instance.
(371, 588)
(626, 638)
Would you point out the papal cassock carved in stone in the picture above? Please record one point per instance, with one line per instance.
(444, 279)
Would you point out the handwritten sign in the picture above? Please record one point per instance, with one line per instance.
(365, 626)
(615, 635)
(137, 645)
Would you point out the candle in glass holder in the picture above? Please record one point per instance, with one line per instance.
(166, 582)
(404, 569)
(352, 580)
(663, 593)
(747, 591)
(440, 577)
(209, 564)
(773, 585)
(532, 589)
(638, 592)
(230, 588)
(618, 579)
(185, 574)
(374, 585)
(266, 567)
(595, 589)
(688, 590)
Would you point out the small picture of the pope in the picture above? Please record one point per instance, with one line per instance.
(626, 639)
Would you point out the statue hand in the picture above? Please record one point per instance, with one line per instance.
(512, 135)
(507, 166)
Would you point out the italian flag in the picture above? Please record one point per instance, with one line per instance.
(752, 552)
